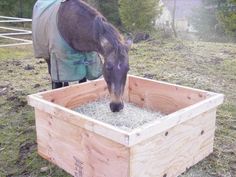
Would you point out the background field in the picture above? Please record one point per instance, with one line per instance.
(208, 66)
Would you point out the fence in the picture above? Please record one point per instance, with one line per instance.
(15, 32)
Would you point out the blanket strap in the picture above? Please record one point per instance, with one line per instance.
(86, 63)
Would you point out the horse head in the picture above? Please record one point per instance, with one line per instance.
(85, 29)
(115, 69)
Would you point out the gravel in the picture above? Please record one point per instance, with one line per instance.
(129, 118)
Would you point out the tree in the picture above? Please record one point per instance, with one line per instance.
(93, 3)
(139, 15)
(225, 14)
(204, 20)
(8, 8)
(227, 17)
(173, 19)
(110, 9)
(16, 8)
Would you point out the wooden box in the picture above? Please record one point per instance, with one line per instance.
(85, 147)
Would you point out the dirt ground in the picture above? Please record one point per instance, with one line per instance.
(208, 66)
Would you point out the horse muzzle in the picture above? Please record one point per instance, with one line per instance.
(117, 103)
(116, 107)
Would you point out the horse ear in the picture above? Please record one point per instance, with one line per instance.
(129, 43)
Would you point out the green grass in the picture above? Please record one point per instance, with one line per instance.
(15, 53)
(208, 66)
(18, 153)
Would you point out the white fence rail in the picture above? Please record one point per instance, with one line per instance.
(16, 32)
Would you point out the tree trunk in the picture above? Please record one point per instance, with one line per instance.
(20, 9)
(173, 19)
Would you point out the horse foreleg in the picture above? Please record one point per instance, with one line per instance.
(49, 65)
(83, 80)
(55, 85)
(65, 84)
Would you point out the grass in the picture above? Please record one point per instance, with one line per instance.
(208, 66)
(16, 53)
(18, 155)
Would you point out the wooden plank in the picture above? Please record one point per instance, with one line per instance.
(75, 118)
(142, 133)
(64, 95)
(170, 153)
(76, 95)
(55, 101)
(78, 151)
(161, 96)
(90, 148)
(165, 97)
(126, 90)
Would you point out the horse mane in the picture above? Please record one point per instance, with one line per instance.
(104, 29)
(101, 27)
(86, 7)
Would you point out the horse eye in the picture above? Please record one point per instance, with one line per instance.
(109, 66)
(127, 67)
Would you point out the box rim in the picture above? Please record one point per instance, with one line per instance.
(149, 130)
(136, 135)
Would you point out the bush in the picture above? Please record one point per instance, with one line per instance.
(139, 15)
(227, 17)
(19, 8)
(110, 9)
(204, 20)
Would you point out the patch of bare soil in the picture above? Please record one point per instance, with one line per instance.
(26, 149)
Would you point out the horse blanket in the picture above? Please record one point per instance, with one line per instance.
(67, 64)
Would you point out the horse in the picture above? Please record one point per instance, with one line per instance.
(85, 29)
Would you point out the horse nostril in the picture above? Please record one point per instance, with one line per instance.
(116, 107)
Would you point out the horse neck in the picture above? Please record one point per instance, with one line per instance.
(105, 49)
(109, 46)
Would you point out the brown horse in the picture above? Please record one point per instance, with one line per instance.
(86, 30)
